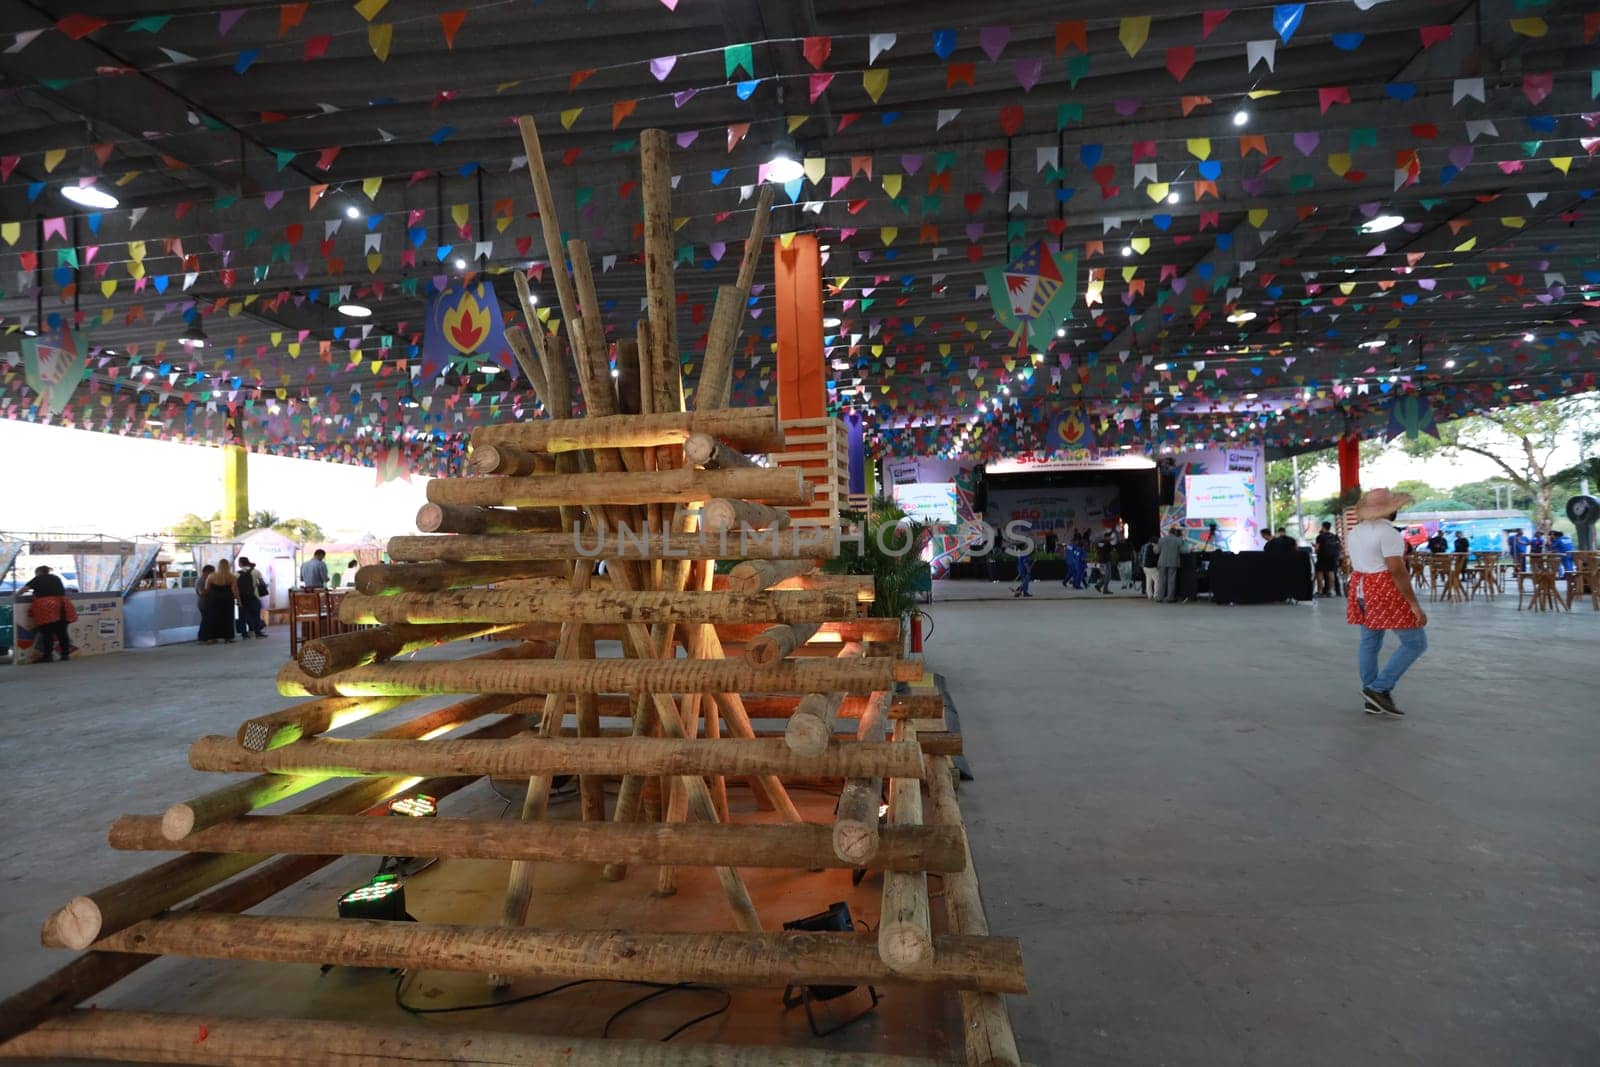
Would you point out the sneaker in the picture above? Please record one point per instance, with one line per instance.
(1383, 700)
(260, 636)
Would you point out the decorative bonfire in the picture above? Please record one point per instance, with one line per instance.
(659, 493)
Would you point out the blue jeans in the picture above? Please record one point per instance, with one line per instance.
(1024, 574)
(1413, 643)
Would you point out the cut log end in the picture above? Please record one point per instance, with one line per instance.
(855, 843)
(905, 946)
(314, 661)
(177, 822)
(807, 735)
(256, 734)
(76, 925)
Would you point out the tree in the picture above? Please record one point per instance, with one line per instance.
(1418, 489)
(1522, 441)
(301, 530)
(191, 529)
(263, 520)
(1490, 493)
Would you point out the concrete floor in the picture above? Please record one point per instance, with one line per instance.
(1210, 854)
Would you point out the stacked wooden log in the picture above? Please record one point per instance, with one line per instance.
(589, 544)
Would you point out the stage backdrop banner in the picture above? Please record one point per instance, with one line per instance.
(1095, 508)
(1220, 496)
(928, 502)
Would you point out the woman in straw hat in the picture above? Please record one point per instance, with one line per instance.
(1381, 598)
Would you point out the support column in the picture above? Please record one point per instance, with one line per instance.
(235, 480)
(802, 389)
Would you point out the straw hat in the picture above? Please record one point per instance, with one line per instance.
(1381, 503)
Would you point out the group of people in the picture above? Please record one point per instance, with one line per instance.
(1087, 562)
(1552, 541)
(314, 573)
(219, 589)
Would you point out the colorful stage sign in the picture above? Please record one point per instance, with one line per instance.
(1220, 496)
(928, 502)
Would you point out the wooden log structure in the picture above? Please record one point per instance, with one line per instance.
(525, 757)
(992, 964)
(453, 519)
(807, 543)
(704, 451)
(780, 485)
(312, 716)
(753, 429)
(779, 642)
(865, 675)
(905, 939)
(520, 605)
(387, 579)
(855, 820)
(802, 846)
(750, 576)
(509, 460)
(810, 728)
(728, 514)
(902, 706)
(82, 919)
(241, 798)
(987, 1029)
(322, 656)
(146, 1037)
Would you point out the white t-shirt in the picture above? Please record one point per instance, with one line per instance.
(1370, 542)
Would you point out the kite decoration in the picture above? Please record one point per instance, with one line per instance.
(53, 368)
(1411, 415)
(464, 328)
(1036, 289)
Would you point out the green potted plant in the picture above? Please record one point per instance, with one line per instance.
(891, 552)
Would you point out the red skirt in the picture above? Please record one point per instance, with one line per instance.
(1375, 602)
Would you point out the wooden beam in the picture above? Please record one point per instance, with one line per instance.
(660, 284)
(703, 450)
(865, 675)
(144, 1037)
(806, 543)
(781, 485)
(905, 940)
(387, 579)
(522, 605)
(855, 819)
(322, 656)
(528, 756)
(723, 958)
(903, 706)
(727, 513)
(509, 460)
(752, 429)
(453, 519)
(802, 846)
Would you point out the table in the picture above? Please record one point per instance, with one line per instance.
(1258, 577)
(1485, 571)
(1449, 567)
(1544, 568)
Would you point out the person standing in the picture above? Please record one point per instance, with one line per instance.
(1461, 546)
(1380, 599)
(349, 579)
(1024, 574)
(1169, 560)
(51, 611)
(1328, 549)
(314, 571)
(252, 590)
(1106, 557)
(1148, 556)
(216, 605)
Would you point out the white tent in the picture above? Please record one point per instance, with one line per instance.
(274, 557)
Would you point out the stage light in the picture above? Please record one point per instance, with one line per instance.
(784, 165)
(836, 920)
(355, 311)
(1382, 223)
(1239, 318)
(1241, 117)
(90, 196)
(382, 898)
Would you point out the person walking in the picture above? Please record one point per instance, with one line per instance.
(1024, 575)
(1148, 556)
(51, 611)
(1328, 551)
(1169, 560)
(252, 590)
(314, 571)
(1106, 557)
(1380, 599)
(216, 605)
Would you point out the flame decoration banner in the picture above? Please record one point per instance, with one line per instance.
(463, 330)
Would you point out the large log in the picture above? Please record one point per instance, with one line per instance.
(509, 460)
(703, 450)
(549, 225)
(801, 846)
(781, 485)
(525, 757)
(810, 728)
(525, 604)
(855, 819)
(987, 1028)
(810, 675)
(241, 798)
(804, 543)
(387, 579)
(724, 958)
(655, 187)
(237, 1042)
(903, 706)
(753, 429)
(905, 940)
(312, 717)
(294, 681)
(876, 631)
(752, 574)
(322, 656)
(83, 919)
(450, 519)
(729, 514)
(779, 642)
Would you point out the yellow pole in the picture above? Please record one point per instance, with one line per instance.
(235, 487)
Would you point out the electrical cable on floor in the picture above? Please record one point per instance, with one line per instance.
(657, 989)
(929, 632)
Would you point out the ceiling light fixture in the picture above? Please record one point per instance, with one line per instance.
(1449, 364)
(1239, 318)
(355, 311)
(1251, 396)
(1376, 342)
(1173, 198)
(1061, 331)
(195, 335)
(1127, 250)
(1241, 117)
(1528, 337)
(461, 264)
(1163, 366)
(1382, 223)
(352, 212)
(90, 196)
(783, 165)
(832, 324)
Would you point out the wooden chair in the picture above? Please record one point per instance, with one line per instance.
(1453, 567)
(1486, 575)
(1543, 571)
(308, 618)
(1585, 580)
(1417, 564)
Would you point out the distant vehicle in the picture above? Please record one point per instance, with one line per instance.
(1486, 530)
